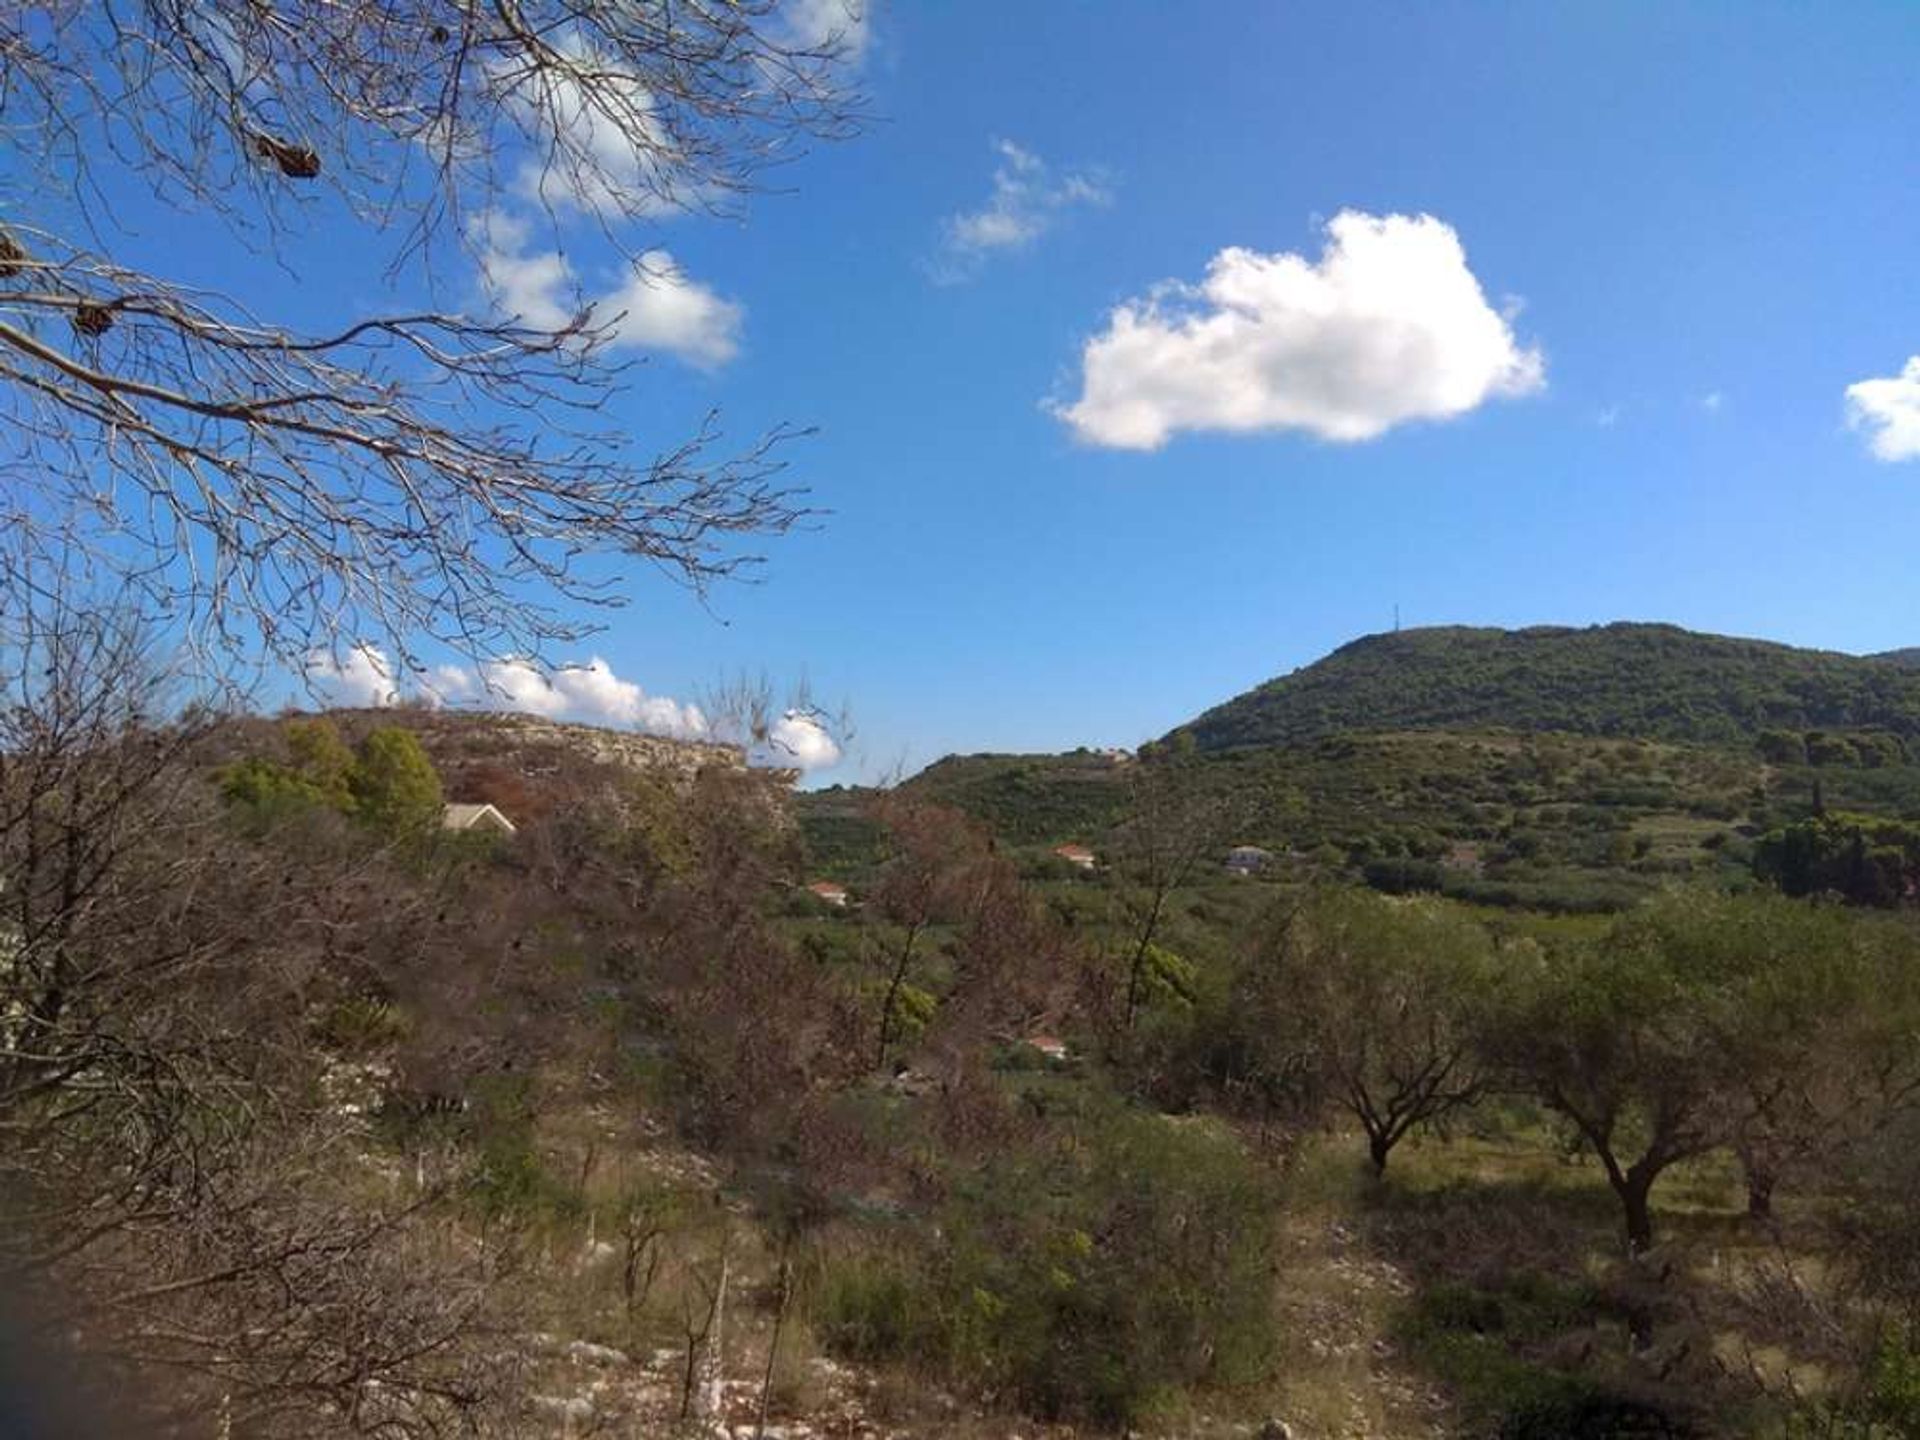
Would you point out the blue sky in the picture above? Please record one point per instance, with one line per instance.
(1694, 227)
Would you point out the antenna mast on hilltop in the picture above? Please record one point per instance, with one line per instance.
(1396, 617)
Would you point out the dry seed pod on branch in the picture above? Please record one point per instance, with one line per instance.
(91, 319)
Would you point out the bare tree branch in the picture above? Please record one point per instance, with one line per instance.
(407, 479)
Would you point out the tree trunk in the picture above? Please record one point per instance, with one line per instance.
(785, 1283)
(1760, 1182)
(715, 1380)
(898, 979)
(1379, 1146)
(1635, 1189)
(1137, 971)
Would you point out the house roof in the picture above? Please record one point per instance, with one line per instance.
(468, 817)
(827, 887)
(1073, 852)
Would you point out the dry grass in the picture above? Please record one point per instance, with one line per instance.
(1740, 1309)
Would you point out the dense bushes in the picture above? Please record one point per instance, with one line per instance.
(389, 784)
(1094, 1273)
(1863, 859)
(1487, 1342)
(1563, 892)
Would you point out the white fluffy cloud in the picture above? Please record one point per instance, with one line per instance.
(361, 675)
(1888, 412)
(1388, 326)
(591, 693)
(1027, 198)
(658, 306)
(798, 741)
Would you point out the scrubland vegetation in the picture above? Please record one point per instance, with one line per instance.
(1560, 1076)
(324, 1120)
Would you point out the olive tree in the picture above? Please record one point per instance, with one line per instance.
(1698, 1022)
(1828, 1052)
(1380, 1000)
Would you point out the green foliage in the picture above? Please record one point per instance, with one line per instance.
(656, 829)
(322, 760)
(1533, 816)
(511, 1178)
(1552, 760)
(842, 839)
(1091, 1277)
(913, 1008)
(1892, 1390)
(871, 1306)
(395, 788)
(1864, 860)
(319, 777)
(1166, 978)
(1782, 747)
(390, 784)
(1485, 1342)
(1690, 1023)
(267, 790)
(1825, 749)
(1030, 799)
(1370, 1004)
(1878, 749)
(1884, 1406)
(1472, 1337)
(1647, 680)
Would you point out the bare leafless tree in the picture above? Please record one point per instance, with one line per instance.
(941, 871)
(401, 478)
(1172, 825)
(786, 729)
(180, 1202)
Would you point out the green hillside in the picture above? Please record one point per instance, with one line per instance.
(1544, 768)
(1648, 681)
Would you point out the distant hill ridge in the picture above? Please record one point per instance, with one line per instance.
(1624, 679)
(455, 733)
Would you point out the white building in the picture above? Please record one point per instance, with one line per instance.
(481, 819)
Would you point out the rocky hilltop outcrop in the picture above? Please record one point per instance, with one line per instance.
(525, 764)
(660, 755)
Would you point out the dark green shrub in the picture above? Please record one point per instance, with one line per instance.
(1479, 1342)
(1824, 749)
(1781, 747)
(1095, 1275)
(1862, 858)
(394, 785)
